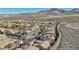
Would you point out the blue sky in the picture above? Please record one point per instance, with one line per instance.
(23, 10)
(68, 9)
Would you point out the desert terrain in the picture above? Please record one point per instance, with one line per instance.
(54, 29)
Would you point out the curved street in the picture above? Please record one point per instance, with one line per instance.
(69, 37)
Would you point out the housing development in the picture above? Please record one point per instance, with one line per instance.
(44, 30)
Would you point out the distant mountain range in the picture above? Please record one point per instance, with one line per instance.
(75, 10)
(54, 11)
(40, 14)
(60, 11)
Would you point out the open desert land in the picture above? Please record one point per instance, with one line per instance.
(45, 30)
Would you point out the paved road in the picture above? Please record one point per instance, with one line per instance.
(70, 38)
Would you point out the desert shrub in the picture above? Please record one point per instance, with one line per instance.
(6, 26)
(1, 32)
(26, 41)
(1, 25)
(8, 45)
(17, 42)
(42, 29)
(14, 26)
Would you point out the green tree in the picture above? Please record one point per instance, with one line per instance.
(42, 29)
